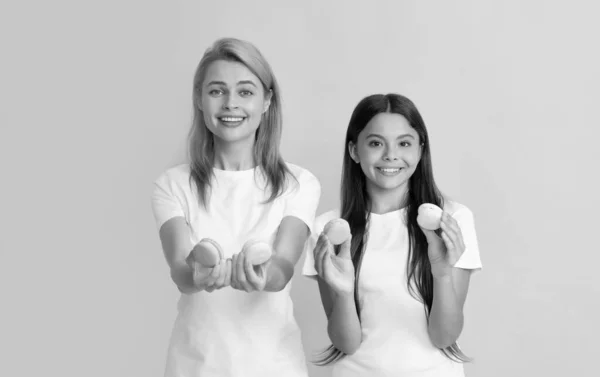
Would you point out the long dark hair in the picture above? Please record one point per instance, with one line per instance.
(356, 207)
(268, 134)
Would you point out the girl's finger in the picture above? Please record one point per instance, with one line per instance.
(325, 265)
(447, 241)
(317, 257)
(451, 223)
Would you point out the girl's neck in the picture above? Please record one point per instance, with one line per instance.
(234, 156)
(384, 201)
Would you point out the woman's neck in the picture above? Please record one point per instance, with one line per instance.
(234, 156)
(384, 201)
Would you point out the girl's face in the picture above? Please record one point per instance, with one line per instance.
(232, 101)
(388, 150)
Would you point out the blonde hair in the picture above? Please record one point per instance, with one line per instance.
(268, 134)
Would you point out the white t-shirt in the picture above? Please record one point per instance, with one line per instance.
(395, 341)
(230, 332)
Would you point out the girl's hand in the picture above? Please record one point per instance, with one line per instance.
(211, 278)
(336, 270)
(444, 252)
(245, 276)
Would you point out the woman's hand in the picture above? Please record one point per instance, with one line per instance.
(446, 250)
(211, 278)
(245, 276)
(336, 270)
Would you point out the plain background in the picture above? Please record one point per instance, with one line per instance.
(95, 104)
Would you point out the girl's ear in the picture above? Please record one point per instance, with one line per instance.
(352, 151)
(268, 97)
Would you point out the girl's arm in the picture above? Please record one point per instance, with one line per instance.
(175, 239)
(450, 284)
(343, 326)
(336, 285)
(446, 316)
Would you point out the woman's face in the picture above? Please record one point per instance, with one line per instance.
(388, 150)
(233, 101)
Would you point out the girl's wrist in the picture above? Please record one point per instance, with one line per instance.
(343, 294)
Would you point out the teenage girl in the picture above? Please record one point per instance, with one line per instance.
(235, 319)
(393, 292)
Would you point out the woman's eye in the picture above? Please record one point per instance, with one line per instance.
(375, 144)
(246, 93)
(405, 144)
(215, 92)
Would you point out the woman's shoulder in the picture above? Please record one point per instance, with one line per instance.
(302, 177)
(298, 171)
(178, 173)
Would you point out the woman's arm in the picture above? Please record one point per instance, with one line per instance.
(289, 244)
(175, 239)
(274, 275)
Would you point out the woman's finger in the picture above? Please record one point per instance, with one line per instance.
(228, 273)
(251, 276)
(222, 274)
(234, 274)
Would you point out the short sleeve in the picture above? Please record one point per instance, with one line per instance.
(303, 198)
(165, 202)
(470, 259)
(308, 269)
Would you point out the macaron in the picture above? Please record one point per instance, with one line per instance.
(207, 252)
(337, 230)
(429, 216)
(257, 251)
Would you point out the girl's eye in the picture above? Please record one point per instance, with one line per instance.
(405, 144)
(374, 143)
(246, 93)
(215, 92)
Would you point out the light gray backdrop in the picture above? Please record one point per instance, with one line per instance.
(96, 104)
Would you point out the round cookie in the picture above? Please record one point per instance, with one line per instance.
(337, 230)
(429, 216)
(257, 251)
(207, 252)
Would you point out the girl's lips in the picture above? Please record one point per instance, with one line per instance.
(389, 171)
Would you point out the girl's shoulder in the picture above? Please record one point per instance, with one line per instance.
(454, 207)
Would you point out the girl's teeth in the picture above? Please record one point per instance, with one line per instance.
(389, 170)
(231, 119)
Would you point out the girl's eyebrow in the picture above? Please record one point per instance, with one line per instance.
(399, 137)
(250, 82)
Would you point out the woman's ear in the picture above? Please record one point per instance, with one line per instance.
(352, 151)
(268, 97)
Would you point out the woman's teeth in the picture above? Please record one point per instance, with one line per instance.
(232, 119)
